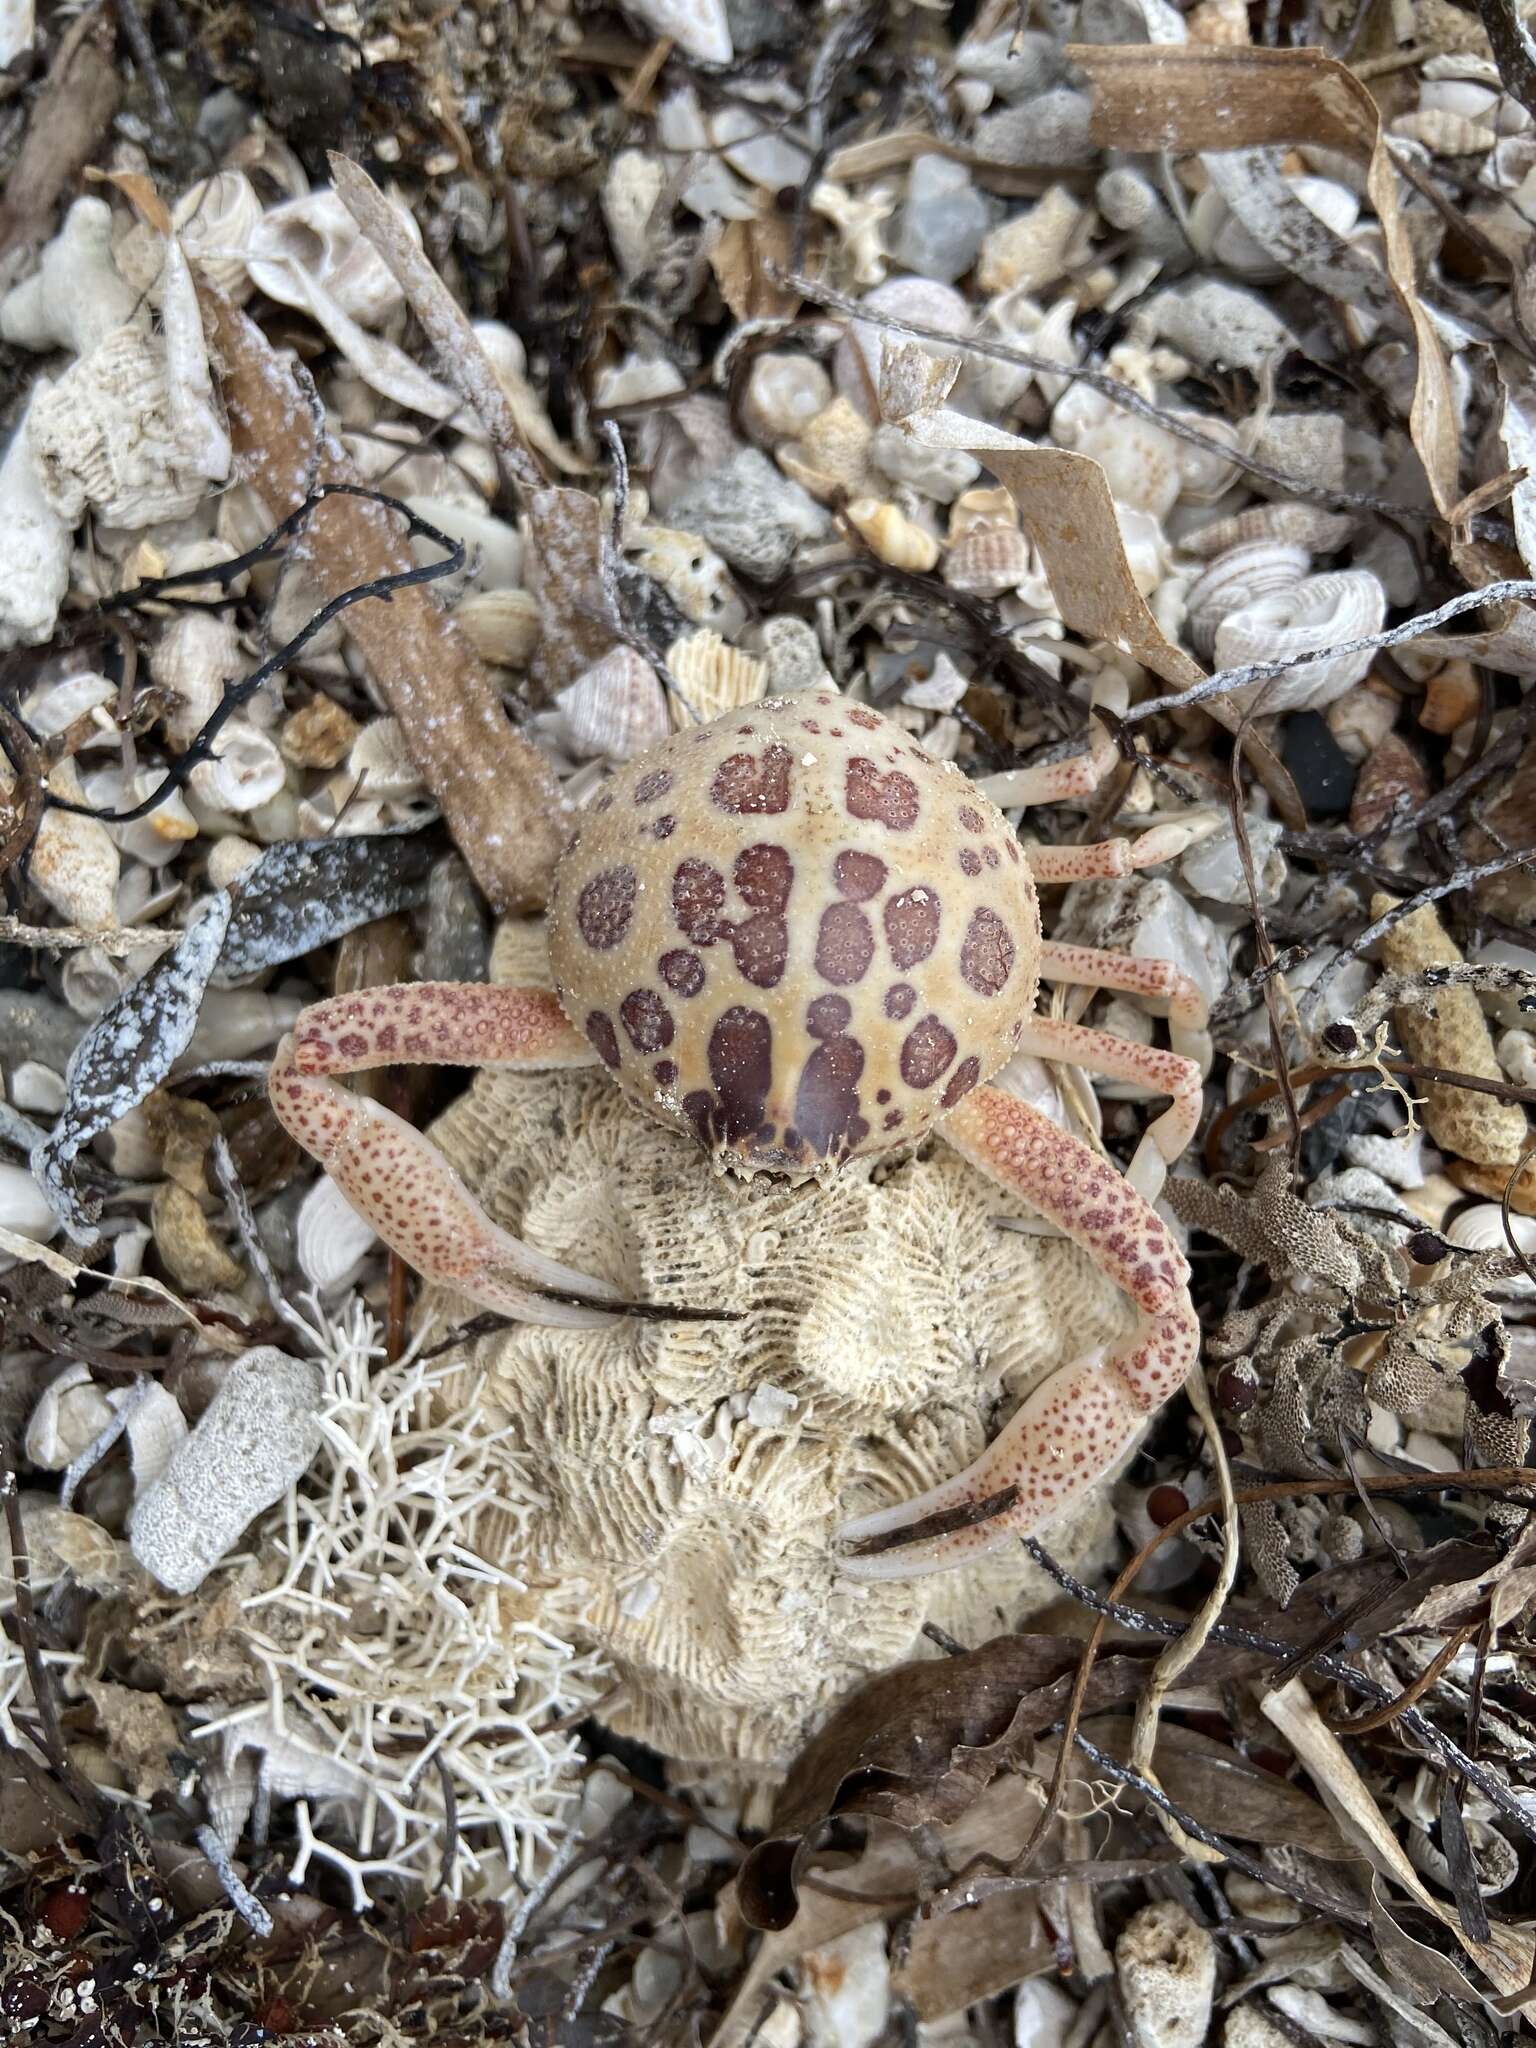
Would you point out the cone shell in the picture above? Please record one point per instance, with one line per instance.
(713, 677)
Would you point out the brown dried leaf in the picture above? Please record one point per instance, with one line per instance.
(957, 1959)
(745, 260)
(565, 545)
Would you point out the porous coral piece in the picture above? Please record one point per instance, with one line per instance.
(1448, 1029)
(256, 1436)
(686, 1528)
(1166, 1964)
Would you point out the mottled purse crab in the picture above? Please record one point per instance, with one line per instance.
(799, 937)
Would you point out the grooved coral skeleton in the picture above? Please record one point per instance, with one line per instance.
(797, 936)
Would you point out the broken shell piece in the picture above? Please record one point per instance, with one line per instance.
(54, 707)
(1481, 1229)
(1235, 578)
(1321, 612)
(74, 862)
(860, 353)
(40, 1088)
(1139, 458)
(330, 1238)
(38, 539)
(1219, 325)
(615, 709)
(228, 859)
(1452, 695)
(713, 677)
(196, 657)
(782, 395)
(939, 473)
(832, 456)
(1166, 1965)
(987, 507)
(988, 561)
(501, 625)
(105, 436)
(318, 735)
(894, 537)
(215, 220)
(255, 1438)
(631, 191)
(1391, 770)
(699, 27)
(315, 235)
(71, 1412)
(1035, 248)
(693, 574)
(184, 1238)
(75, 297)
(1361, 719)
(246, 771)
(1443, 133)
(382, 763)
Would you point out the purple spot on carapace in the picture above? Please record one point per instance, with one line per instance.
(899, 998)
(682, 972)
(926, 1051)
(599, 1029)
(604, 907)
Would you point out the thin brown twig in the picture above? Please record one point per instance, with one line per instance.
(1412, 1693)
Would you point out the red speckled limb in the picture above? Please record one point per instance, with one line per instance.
(1108, 858)
(1071, 1430)
(391, 1174)
(1092, 967)
(1117, 1059)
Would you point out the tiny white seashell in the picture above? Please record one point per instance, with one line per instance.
(698, 27)
(782, 395)
(1444, 134)
(1517, 1056)
(1139, 458)
(381, 762)
(1321, 613)
(1235, 578)
(156, 1428)
(894, 537)
(330, 1238)
(615, 709)
(56, 706)
(713, 677)
(1204, 474)
(1146, 547)
(988, 560)
(246, 771)
(493, 547)
(229, 1793)
(1462, 96)
(228, 859)
(635, 182)
(1311, 527)
(22, 1206)
(215, 220)
(38, 540)
(197, 656)
(939, 473)
(107, 436)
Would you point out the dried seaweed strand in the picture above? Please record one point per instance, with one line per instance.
(1227, 680)
(1463, 878)
(238, 693)
(1513, 50)
(1412, 1693)
(26, 1616)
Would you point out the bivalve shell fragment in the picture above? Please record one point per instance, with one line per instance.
(713, 677)
(615, 709)
(330, 1239)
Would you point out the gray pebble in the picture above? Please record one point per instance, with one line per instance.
(943, 220)
(750, 513)
(1048, 130)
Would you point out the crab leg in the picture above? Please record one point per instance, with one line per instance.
(393, 1176)
(1117, 1059)
(1093, 967)
(1106, 859)
(1073, 1428)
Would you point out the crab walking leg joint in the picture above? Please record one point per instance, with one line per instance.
(395, 1178)
(1075, 1425)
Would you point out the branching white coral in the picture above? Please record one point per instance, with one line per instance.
(409, 1676)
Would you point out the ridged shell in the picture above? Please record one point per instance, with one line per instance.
(1444, 134)
(988, 561)
(615, 709)
(894, 537)
(196, 657)
(1481, 1229)
(502, 625)
(1236, 578)
(330, 1239)
(714, 677)
(1296, 525)
(1318, 613)
(382, 761)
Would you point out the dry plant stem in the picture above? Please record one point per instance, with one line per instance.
(67, 122)
(1513, 50)
(1381, 1717)
(497, 793)
(1263, 943)
(1473, 1481)
(460, 356)
(26, 1617)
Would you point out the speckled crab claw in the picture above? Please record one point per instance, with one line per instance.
(1078, 1422)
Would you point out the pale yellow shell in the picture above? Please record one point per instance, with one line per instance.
(501, 625)
(989, 505)
(894, 537)
(833, 452)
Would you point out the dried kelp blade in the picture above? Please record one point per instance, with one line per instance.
(302, 893)
(128, 1051)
